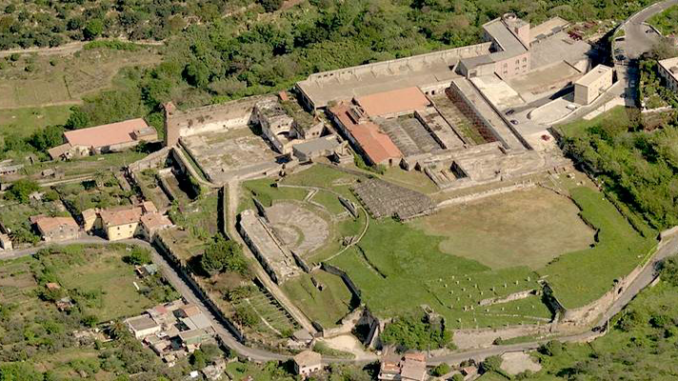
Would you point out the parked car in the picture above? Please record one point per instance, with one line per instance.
(514, 122)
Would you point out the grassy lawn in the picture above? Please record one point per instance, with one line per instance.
(265, 191)
(340, 229)
(582, 276)
(395, 260)
(617, 114)
(511, 230)
(105, 272)
(666, 22)
(24, 121)
(414, 180)
(327, 306)
(492, 376)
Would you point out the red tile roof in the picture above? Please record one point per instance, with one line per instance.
(154, 221)
(49, 224)
(376, 144)
(106, 135)
(394, 102)
(120, 216)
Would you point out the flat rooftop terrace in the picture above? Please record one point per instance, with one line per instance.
(359, 81)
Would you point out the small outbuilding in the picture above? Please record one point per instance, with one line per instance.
(307, 363)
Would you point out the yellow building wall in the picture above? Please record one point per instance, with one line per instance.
(127, 231)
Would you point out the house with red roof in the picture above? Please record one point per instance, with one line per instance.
(112, 137)
(365, 136)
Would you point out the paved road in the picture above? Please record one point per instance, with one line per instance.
(639, 37)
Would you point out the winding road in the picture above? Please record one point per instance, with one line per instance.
(637, 40)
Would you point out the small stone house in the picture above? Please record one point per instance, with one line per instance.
(307, 363)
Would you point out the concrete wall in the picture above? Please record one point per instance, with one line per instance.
(513, 67)
(586, 93)
(669, 80)
(386, 66)
(213, 118)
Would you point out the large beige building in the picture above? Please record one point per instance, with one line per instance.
(112, 137)
(589, 87)
(668, 70)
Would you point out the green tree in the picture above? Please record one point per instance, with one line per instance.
(198, 359)
(77, 119)
(93, 29)
(416, 332)
(271, 5)
(490, 364)
(138, 256)
(223, 255)
(245, 316)
(22, 189)
(441, 370)
(19, 371)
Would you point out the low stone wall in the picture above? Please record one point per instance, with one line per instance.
(509, 298)
(488, 193)
(485, 337)
(341, 273)
(151, 161)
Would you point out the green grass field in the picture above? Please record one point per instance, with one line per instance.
(513, 228)
(56, 80)
(24, 121)
(327, 306)
(107, 273)
(454, 259)
(399, 269)
(616, 115)
(582, 276)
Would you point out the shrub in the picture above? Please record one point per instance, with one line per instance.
(441, 370)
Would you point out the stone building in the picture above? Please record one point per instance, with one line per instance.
(589, 87)
(54, 229)
(307, 363)
(668, 70)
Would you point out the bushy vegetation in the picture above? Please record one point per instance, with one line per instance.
(51, 24)
(635, 166)
(38, 341)
(666, 22)
(416, 332)
(22, 189)
(641, 344)
(223, 255)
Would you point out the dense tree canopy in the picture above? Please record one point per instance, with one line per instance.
(223, 255)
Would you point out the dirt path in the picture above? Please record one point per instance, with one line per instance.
(70, 48)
